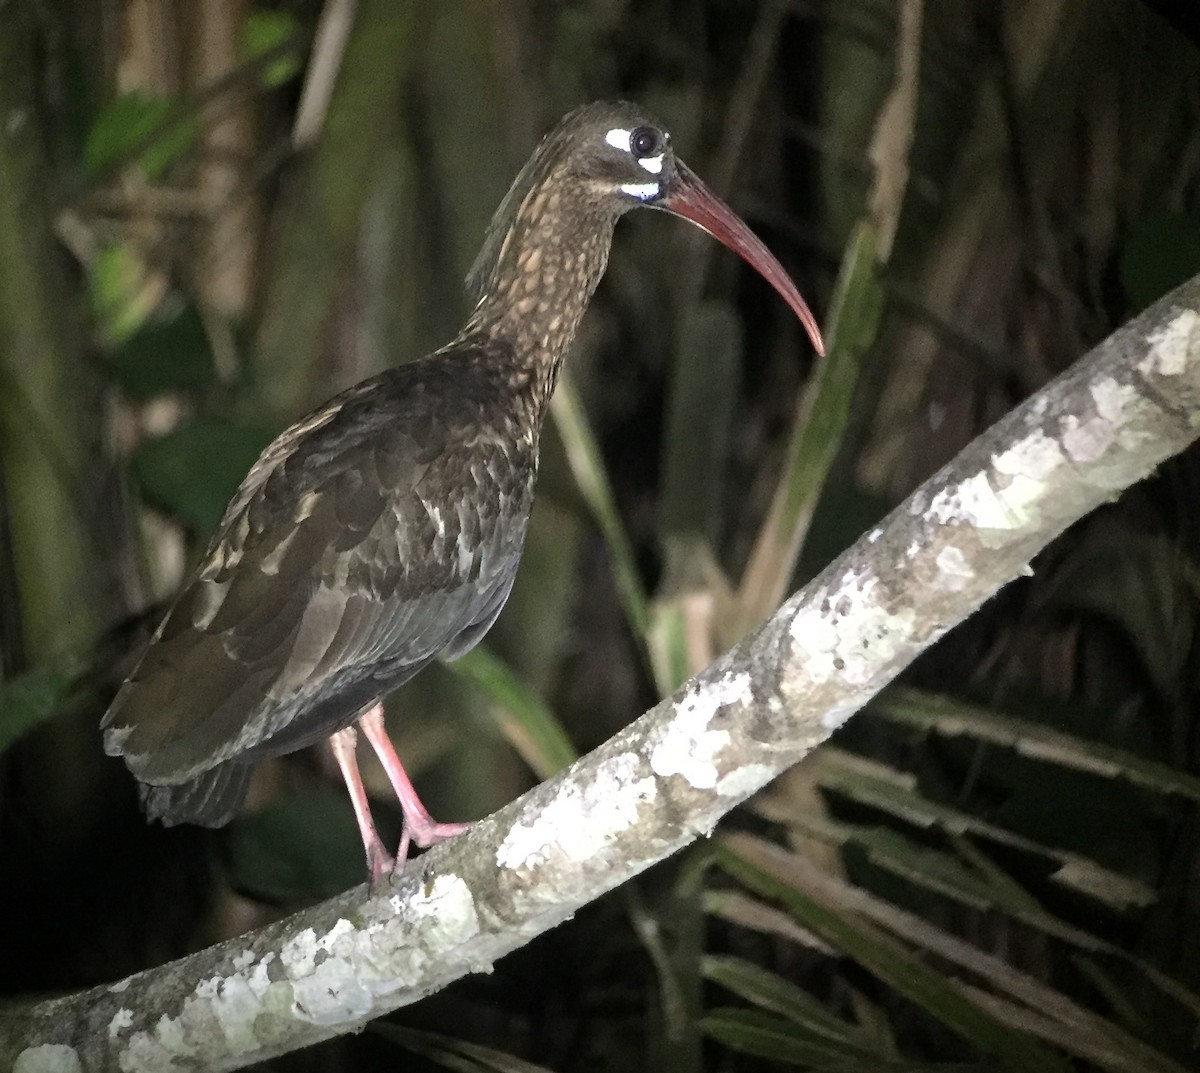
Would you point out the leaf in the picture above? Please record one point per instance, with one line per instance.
(739, 908)
(1140, 583)
(529, 726)
(816, 436)
(32, 698)
(770, 1036)
(300, 849)
(667, 638)
(703, 396)
(887, 959)
(1007, 1021)
(762, 1035)
(124, 291)
(454, 1053)
(773, 993)
(193, 471)
(1122, 1001)
(267, 32)
(952, 718)
(166, 353)
(844, 774)
(138, 127)
(587, 467)
(694, 597)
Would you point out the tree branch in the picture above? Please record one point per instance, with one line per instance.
(668, 778)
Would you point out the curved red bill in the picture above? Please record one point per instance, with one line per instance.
(688, 197)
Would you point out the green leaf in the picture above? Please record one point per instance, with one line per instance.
(530, 727)
(266, 32)
(1010, 1019)
(1142, 585)
(666, 634)
(1123, 1002)
(587, 467)
(935, 871)
(782, 1040)
(456, 1054)
(952, 718)
(780, 996)
(167, 353)
(32, 698)
(703, 396)
(123, 291)
(300, 849)
(816, 435)
(892, 963)
(194, 471)
(686, 615)
(138, 127)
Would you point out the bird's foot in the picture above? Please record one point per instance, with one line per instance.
(419, 827)
(379, 861)
(424, 831)
(431, 833)
(380, 865)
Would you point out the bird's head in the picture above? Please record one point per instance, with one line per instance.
(626, 156)
(618, 154)
(618, 158)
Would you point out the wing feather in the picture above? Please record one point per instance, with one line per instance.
(379, 532)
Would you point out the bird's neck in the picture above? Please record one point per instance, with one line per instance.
(535, 291)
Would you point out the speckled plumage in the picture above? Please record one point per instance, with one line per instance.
(385, 529)
(382, 531)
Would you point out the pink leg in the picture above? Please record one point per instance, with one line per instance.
(344, 743)
(419, 826)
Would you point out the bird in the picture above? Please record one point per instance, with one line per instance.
(384, 529)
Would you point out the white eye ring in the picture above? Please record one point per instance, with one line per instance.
(620, 138)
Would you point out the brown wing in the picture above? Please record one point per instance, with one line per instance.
(375, 534)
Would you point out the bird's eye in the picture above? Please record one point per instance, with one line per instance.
(644, 142)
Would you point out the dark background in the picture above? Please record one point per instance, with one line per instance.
(178, 282)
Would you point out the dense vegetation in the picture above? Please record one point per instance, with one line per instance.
(204, 231)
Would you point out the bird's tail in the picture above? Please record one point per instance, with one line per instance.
(210, 800)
